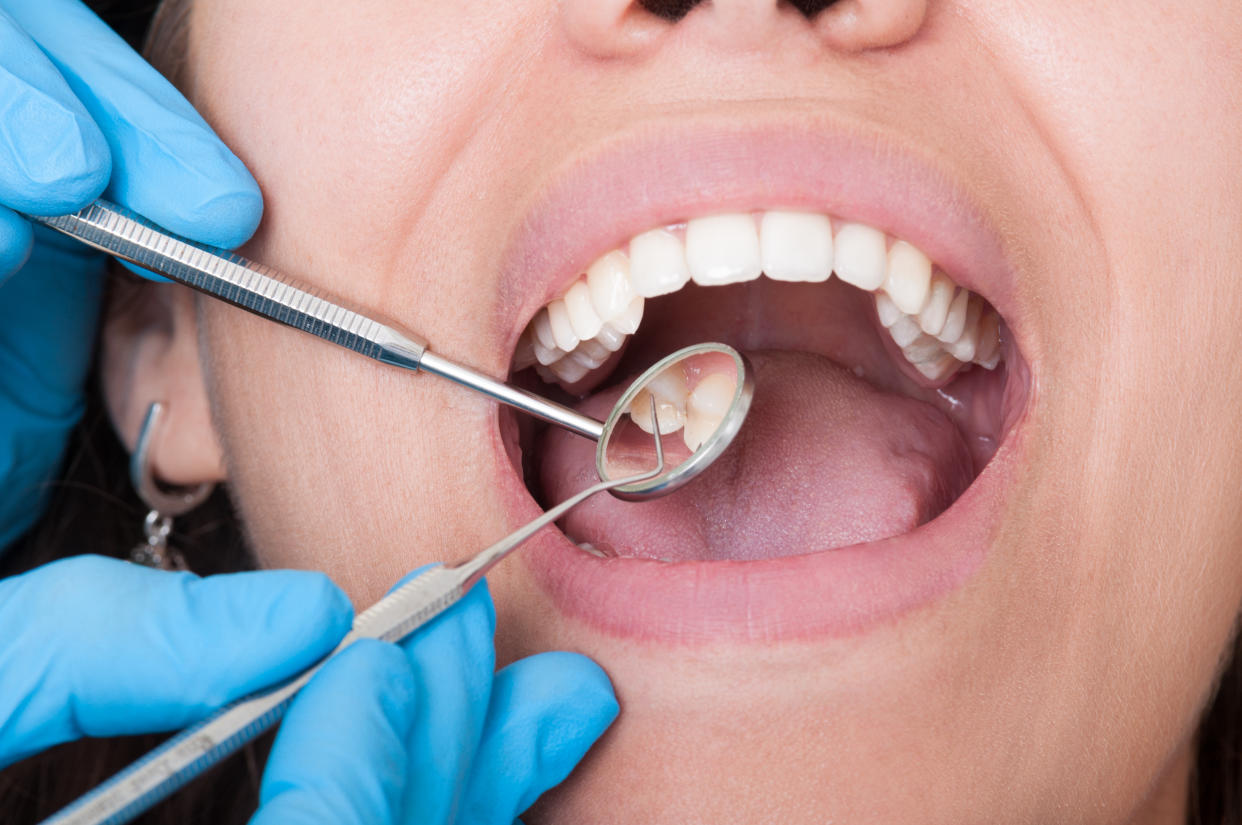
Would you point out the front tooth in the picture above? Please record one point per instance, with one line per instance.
(582, 315)
(608, 280)
(671, 417)
(909, 277)
(963, 349)
(723, 249)
(940, 296)
(989, 340)
(796, 246)
(657, 263)
(562, 329)
(955, 321)
(860, 256)
(627, 322)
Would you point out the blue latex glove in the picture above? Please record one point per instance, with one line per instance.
(81, 112)
(101, 647)
(427, 734)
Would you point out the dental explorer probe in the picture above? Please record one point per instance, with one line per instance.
(197, 748)
(263, 291)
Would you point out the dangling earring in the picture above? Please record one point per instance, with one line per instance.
(164, 505)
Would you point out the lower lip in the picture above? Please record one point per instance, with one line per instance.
(831, 593)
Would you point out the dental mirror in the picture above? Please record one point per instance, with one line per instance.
(702, 394)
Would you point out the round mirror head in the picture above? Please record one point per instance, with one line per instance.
(701, 395)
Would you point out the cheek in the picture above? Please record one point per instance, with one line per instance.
(337, 464)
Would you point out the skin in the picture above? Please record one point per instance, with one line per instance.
(398, 150)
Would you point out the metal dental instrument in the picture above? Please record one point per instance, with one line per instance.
(196, 749)
(269, 294)
(266, 292)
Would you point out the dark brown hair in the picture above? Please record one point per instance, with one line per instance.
(94, 510)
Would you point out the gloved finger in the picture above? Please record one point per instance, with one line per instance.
(53, 157)
(101, 647)
(46, 326)
(340, 756)
(545, 713)
(167, 163)
(16, 240)
(453, 660)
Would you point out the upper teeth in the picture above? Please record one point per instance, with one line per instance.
(939, 326)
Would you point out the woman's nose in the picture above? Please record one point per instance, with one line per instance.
(613, 28)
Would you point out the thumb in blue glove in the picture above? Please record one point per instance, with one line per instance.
(81, 112)
(100, 647)
(428, 733)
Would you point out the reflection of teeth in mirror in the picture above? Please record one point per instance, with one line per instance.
(605, 304)
(706, 408)
(671, 416)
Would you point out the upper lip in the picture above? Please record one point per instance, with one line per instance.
(667, 169)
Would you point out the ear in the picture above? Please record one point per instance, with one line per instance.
(150, 353)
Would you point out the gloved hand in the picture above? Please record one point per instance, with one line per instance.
(101, 647)
(426, 734)
(81, 112)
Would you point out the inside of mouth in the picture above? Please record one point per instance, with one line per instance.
(845, 442)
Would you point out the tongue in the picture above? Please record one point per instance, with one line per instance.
(824, 460)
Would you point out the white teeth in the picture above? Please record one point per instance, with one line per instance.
(861, 256)
(909, 277)
(583, 318)
(587, 547)
(608, 280)
(671, 417)
(955, 321)
(544, 355)
(940, 296)
(938, 326)
(796, 246)
(723, 249)
(569, 370)
(706, 408)
(610, 338)
(627, 322)
(886, 310)
(963, 349)
(988, 352)
(657, 263)
(562, 329)
(905, 331)
(543, 330)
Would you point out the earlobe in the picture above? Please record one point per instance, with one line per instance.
(150, 353)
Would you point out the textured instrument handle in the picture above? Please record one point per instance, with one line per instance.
(232, 278)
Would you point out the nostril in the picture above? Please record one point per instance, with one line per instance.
(671, 10)
(810, 8)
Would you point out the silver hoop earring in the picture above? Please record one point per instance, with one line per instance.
(163, 505)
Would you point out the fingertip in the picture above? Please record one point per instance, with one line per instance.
(16, 241)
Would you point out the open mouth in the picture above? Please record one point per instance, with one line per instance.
(886, 386)
(879, 384)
